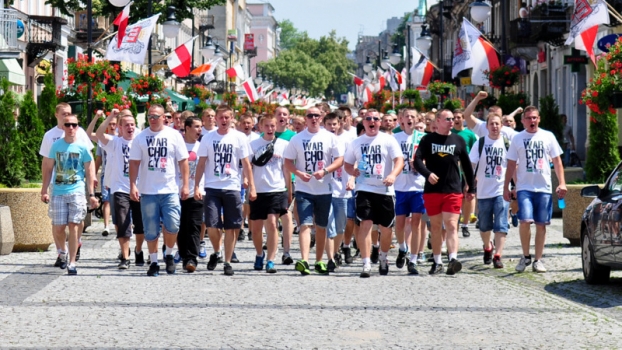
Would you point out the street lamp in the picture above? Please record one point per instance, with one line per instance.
(119, 3)
(209, 49)
(384, 63)
(480, 10)
(424, 41)
(367, 67)
(170, 28)
(258, 79)
(396, 57)
(217, 52)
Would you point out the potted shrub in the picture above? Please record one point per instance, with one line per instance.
(503, 76)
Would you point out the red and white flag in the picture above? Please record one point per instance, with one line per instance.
(206, 68)
(356, 80)
(472, 51)
(235, 71)
(395, 78)
(181, 59)
(422, 72)
(403, 83)
(367, 95)
(134, 49)
(122, 20)
(382, 81)
(587, 15)
(249, 88)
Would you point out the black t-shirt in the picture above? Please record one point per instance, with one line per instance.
(441, 154)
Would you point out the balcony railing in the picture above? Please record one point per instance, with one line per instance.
(8, 30)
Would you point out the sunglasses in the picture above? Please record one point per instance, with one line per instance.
(311, 116)
(169, 117)
(71, 125)
(372, 118)
(449, 119)
(154, 116)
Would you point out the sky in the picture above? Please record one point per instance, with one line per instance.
(347, 17)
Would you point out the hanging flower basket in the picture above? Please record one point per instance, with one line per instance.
(441, 88)
(503, 76)
(147, 85)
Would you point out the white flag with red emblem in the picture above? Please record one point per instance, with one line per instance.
(249, 88)
(122, 20)
(134, 44)
(587, 15)
(181, 59)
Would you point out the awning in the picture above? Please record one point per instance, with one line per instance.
(12, 71)
(125, 84)
(183, 103)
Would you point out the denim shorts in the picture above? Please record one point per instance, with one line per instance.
(493, 214)
(310, 205)
(409, 202)
(160, 208)
(337, 217)
(536, 207)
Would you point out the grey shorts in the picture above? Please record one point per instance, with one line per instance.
(67, 208)
(227, 202)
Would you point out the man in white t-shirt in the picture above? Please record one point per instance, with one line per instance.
(274, 187)
(219, 155)
(118, 154)
(380, 161)
(245, 126)
(153, 158)
(63, 110)
(209, 122)
(491, 165)
(478, 126)
(307, 156)
(347, 120)
(530, 154)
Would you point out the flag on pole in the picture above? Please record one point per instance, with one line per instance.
(356, 80)
(382, 81)
(207, 67)
(181, 59)
(249, 88)
(403, 83)
(423, 70)
(472, 51)
(235, 71)
(134, 48)
(587, 15)
(395, 78)
(122, 20)
(585, 42)
(367, 95)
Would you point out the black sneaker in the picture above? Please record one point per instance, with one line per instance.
(338, 259)
(296, 230)
(286, 259)
(191, 266)
(154, 269)
(497, 262)
(347, 255)
(78, 252)
(241, 235)
(412, 268)
(331, 266)
(72, 271)
(58, 261)
(228, 269)
(213, 262)
(139, 258)
(374, 254)
(220, 258)
(234, 258)
(401, 259)
(454, 266)
(384, 267)
(487, 257)
(436, 269)
(63, 261)
(312, 242)
(170, 264)
(250, 235)
(465, 232)
(124, 264)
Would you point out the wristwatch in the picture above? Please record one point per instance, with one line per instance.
(325, 172)
(91, 195)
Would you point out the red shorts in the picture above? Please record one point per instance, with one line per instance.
(436, 203)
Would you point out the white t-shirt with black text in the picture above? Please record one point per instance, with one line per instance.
(340, 177)
(408, 180)
(270, 178)
(118, 165)
(480, 130)
(193, 160)
(224, 153)
(491, 167)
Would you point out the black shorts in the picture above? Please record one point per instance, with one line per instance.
(227, 202)
(122, 206)
(268, 203)
(379, 208)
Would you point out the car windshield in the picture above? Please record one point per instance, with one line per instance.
(615, 185)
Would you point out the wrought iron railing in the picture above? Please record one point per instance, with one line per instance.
(8, 30)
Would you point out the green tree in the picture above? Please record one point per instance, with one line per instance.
(30, 129)
(294, 68)
(290, 35)
(47, 102)
(12, 169)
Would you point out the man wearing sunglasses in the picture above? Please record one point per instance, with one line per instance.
(312, 149)
(71, 163)
(155, 153)
(444, 153)
(380, 161)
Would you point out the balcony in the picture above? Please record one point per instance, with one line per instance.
(98, 27)
(545, 23)
(8, 33)
(44, 34)
(206, 22)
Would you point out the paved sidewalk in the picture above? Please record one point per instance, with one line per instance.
(480, 308)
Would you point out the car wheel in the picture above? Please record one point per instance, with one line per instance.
(593, 272)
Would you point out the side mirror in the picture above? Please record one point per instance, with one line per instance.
(590, 191)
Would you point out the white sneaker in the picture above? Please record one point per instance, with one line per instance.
(538, 266)
(522, 264)
(366, 273)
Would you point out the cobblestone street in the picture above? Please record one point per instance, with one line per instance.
(103, 307)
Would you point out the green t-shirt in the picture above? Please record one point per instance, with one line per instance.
(398, 129)
(285, 135)
(469, 137)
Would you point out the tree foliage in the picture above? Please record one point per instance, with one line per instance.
(48, 102)
(550, 119)
(12, 169)
(30, 128)
(290, 35)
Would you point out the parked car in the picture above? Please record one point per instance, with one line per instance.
(601, 238)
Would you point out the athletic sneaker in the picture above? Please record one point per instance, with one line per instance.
(523, 263)
(366, 273)
(465, 232)
(347, 254)
(241, 235)
(154, 269)
(63, 261)
(338, 259)
(312, 242)
(213, 261)
(538, 266)
(78, 252)
(302, 267)
(228, 269)
(105, 232)
(421, 258)
(177, 258)
(234, 258)
(321, 268)
(374, 254)
(58, 261)
(190, 266)
(72, 271)
(259, 262)
(286, 259)
(473, 218)
(412, 268)
(270, 267)
(139, 258)
(249, 235)
(436, 269)
(170, 264)
(496, 261)
(124, 264)
(202, 251)
(384, 267)
(331, 266)
(401, 259)
(454, 266)
(487, 257)
(514, 220)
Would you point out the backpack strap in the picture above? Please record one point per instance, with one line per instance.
(480, 147)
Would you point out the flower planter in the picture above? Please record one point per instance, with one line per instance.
(572, 215)
(616, 99)
(31, 225)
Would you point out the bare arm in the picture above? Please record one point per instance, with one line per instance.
(516, 111)
(90, 180)
(468, 111)
(559, 171)
(101, 135)
(134, 164)
(398, 166)
(47, 166)
(199, 172)
(509, 172)
(349, 168)
(248, 173)
(91, 127)
(184, 169)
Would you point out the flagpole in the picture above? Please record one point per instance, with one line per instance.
(615, 13)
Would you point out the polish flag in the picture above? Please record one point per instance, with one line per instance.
(403, 83)
(249, 88)
(367, 95)
(207, 67)
(585, 42)
(180, 60)
(587, 15)
(122, 20)
(235, 71)
(422, 71)
(356, 80)
(382, 81)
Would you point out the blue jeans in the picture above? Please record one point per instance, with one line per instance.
(160, 208)
(310, 205)
(536, 207)
(337, 217)
(493, 214)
